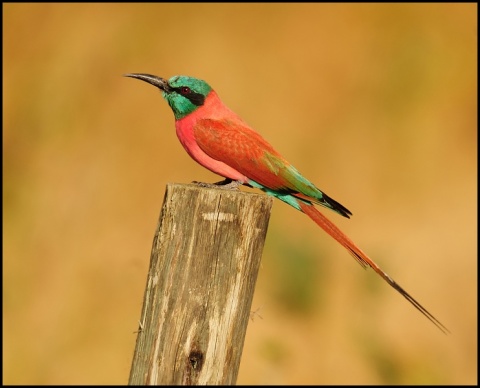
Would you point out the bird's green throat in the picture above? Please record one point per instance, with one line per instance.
(185, 95)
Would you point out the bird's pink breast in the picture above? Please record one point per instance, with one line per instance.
(213, 108)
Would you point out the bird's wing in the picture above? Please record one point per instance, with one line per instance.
(240, 147)
(246, 151)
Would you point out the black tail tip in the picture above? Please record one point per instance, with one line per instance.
(335, 206)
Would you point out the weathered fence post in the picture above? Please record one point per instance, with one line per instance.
(203, 268)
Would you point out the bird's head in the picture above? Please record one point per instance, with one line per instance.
(183, 94)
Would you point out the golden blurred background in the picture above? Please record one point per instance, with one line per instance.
(375, 103)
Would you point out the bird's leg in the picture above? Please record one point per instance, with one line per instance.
(226, 184)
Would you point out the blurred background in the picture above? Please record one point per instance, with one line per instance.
(375, 103)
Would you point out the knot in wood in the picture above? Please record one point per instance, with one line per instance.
(196, 360)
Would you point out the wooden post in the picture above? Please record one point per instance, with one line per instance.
(203, 268)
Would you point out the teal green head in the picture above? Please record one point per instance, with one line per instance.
(183, 94)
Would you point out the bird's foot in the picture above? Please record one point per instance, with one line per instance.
(226, 184)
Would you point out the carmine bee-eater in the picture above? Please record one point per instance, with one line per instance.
(222, 142)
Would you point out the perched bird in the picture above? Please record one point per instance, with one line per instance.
(221, 141)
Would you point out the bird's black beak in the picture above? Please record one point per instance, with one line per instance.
(159, 82)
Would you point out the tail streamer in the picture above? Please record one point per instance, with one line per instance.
(329, 227)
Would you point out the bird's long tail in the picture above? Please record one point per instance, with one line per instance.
(362, 258)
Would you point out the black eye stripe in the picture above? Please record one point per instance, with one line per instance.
(183, 90)
(195, 98)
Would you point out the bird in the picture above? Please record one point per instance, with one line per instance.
(219, 140)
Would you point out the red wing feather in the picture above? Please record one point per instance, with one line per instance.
(242, 149)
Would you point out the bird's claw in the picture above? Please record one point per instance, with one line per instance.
(226, 184)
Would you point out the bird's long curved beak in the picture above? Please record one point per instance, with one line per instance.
(159, 82)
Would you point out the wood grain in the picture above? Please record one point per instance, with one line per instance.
(204, 264)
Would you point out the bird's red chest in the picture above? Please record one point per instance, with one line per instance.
(212, 108)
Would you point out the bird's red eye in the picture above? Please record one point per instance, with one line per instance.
(185, 90)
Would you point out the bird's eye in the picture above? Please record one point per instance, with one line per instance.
(185, 90)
